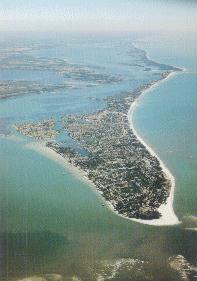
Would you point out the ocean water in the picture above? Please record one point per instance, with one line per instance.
(167, 116)
(54, 222)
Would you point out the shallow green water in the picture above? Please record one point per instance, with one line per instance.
(55, 223)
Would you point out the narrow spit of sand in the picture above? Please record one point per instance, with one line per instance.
(168, 216)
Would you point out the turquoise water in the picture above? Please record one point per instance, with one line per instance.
(51, 221)
(167, 116)
(170, 128)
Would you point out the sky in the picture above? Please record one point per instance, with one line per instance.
(98, 15)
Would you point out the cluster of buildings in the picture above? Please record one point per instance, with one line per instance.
(121, 168)
(43, 130)
(119, 165)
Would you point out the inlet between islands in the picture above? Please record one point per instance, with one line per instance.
(168, 216)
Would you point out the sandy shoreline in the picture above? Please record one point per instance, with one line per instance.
(48, 152)
(41, 148)
(168, 217)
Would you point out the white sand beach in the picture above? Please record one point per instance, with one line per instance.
(168, 216)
